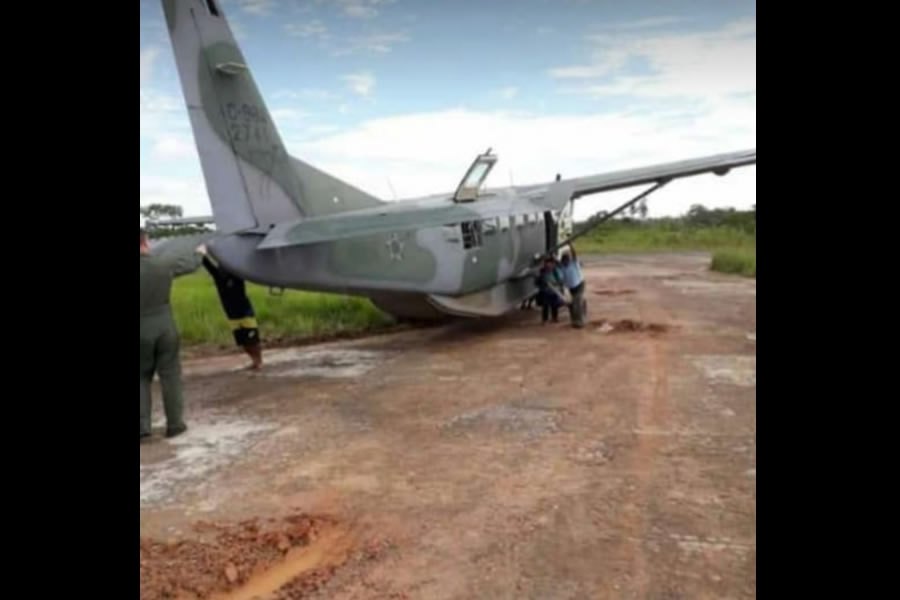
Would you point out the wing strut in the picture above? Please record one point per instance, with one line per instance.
(606, 218)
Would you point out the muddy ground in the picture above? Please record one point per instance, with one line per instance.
(478, 460)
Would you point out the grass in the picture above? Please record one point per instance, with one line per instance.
(733, 249)
(661, 239)
(739, 261)
(291, 316)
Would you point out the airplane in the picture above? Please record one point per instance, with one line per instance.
(282, 223)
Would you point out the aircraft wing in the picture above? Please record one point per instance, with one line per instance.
(441, 210)
(562, 191)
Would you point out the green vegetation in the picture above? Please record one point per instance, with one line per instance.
(734, 260)
(292, 315)
(157, 212)
(658, 238)
(728, 233)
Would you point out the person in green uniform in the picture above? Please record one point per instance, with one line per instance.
(159, 335)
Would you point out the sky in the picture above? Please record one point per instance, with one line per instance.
(398, 96)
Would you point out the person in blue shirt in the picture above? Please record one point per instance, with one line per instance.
(574, 282)
(549, 297)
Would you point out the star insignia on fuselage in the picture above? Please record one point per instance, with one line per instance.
(395, 247)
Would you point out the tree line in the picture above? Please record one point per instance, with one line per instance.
(156, 212)
(698, 216)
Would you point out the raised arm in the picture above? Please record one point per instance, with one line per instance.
(180, 254)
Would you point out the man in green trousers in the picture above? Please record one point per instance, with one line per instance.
(159, 335)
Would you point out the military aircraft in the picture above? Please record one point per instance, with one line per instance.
(283, 223)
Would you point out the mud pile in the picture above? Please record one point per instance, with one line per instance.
(226, 556)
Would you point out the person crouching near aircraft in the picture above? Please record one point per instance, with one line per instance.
(549, 298)
(238, 309)
(159, 336)
(574, 281)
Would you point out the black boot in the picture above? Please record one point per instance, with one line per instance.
(175, 431)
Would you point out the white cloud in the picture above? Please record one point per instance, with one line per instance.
(174, 147)
(532, 148)
(304, 94)
(162, 114)
(322, 129)
(375, 43)
(151, 26)
(288, 114)
(237, 28)
(188, 192)
(648, 23)
(360, 83)
(607, 62)
(148, 57)
(508, 93)
(256, 7)
(712, 75)
(535, 147)
(312, 29)
(687, 65)
(359, 9)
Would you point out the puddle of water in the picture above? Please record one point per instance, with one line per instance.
(734, 369)
(203, 449)
(331, 363)
(508, 418)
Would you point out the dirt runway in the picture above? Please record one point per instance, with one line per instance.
(477, 460)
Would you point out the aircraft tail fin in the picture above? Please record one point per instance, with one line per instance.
(253, 183)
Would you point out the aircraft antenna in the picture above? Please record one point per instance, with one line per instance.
(391, 185)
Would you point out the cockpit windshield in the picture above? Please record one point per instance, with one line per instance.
(478, 172)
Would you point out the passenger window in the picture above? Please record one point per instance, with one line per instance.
(471, 232)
